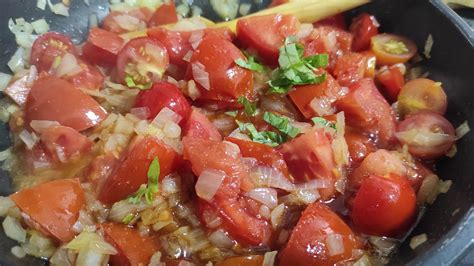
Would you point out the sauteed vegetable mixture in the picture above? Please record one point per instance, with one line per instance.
(283, 143)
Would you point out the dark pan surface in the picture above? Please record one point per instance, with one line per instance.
(449, 223)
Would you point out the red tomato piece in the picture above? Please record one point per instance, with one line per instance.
(422, 95)
(384, 206)
(89, 77)
(364, 27)
(102, 47)
(392, 81)
(53, 206)
(133, 167)
(47, 47)
(64, 143)
(122, 22)
(18, 90)
(266, 34)
(359, 144)
(36, 158)
(161, 95)
(164, 14)
(371, 61)
(308, 241)
(57, 100)
(392, 49)
(199, 126)
(337, 21)
(367, 110)
(350, 68)
(250, 260)
(100, 168)
(133, 248)
(310, 156)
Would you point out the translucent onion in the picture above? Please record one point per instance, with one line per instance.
(250, 162)
(335, 244)
(187, 56)
(128, 22)
(13, 229)
(423, 137)
(462, 130)
(93, 20)
(200, 75)
(17, 61)
(418, 240)
(305, 30)
(208, 183)
(4, 80)
(277, 215)
(91, 240)
(231, 149)
(18, 251)
(5, 204)
(330, 42)
(313, 184)
(307, 196)
(193, 91)
(30, 139)
(59, 9)
(40, 26)
(171, 185)
(41, 4)
(322, 106)
(266, 196)
(40, 125)
(220, 239)
(269, 258)
(68, 66)
(195, 38)
(428, 190)
(270, 177)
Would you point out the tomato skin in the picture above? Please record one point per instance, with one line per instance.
(387, 58)
(133, 249)
(350, 68)
(359, 144)
(102, 47)
(199, 126)
(310, 156)
(47, 47)
(384, 206)
(364, 27)
(164, 14)
(367, 110)
(250, 260)
(53, 206)
(306, 245)
(133, 167)
(164, 94)
(57, 100)
(72, 143)
(392, 80)
(337, 20)
(422, 95)
(89, 77)
(266, 34)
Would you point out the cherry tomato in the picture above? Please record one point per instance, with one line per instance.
(308, 243)
(227, 81)
(350, 68)
(122, 22)
(310, 156)
(164, 14)
(266, 34)
(364, 27)
(337, 20)
(102, 47)
(64, 143)
(359, 144)
(133, 167)
(428, 135)
(384, 206)
(53, 206)
(57, 100)
(250, 260)
(133, 248)
(392, 49)
(199, 126)
(89, 77)
(100, 168)
(392, 81)
(144, 60)
(163, 94)
(422, 94)
(366, 110)
(47, 47)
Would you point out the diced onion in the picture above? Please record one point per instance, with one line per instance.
(269, 258)
(30, 139)
(93, 20)
(193, 23)
(18, 251)
(220, 239)
(322, 106)
(4, 80)
(335, 244)
(265, 212)
(428, 190)
(313, 184)
(41, 4)
(428, 46)
(208, 183)
(444, 186)
(244, 9)
(182, 10)
(303, 127)
(249, 161)
(13, 229)
(17, 61)
(187, 56)
(196, 11)
(462, 130)
(140, 112)
(418, 239)
(129, 22)
(363, 261)
(40, 26)
(195, 38)
(330, 42)
(59, 9)
(193, 91)
(32, 76)
(270, 177)
(267, 196)
(172, 130)
(231, 149)
(200, 75)
(68, 66)
(5, 204)
(277, 215)
(384, 245)
(423, 137)
(225, 9)
(305, 30)
(239, 135)
(171, 185)
(307, 196)
(40, 125)
(164, 116)
(90, 240)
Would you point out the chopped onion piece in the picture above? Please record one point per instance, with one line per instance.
(428, 46)
(276, 217)
(40, 26)
(140, 112)
(220, 239)
(231, 148)
(193, 23)
(313, 184)
(40, 125)
(93, 20)
(200, 75)
(59, 9)
(187, 56)
(249, 161)
(428, 190)
(444, 186)
(270, 177)
(418, 239)
(41, 4)
(4, 80)
(195, 38)
(90, 240)
(244, 9)
(322, 106)
(269, 258)
(335, 244)
(17, 61)
(307, 196)
(164, 116)
(5, 204)
(68, 66)
(266, 196)
(225, 9)
(423, 137)
(462, 130)
(18, 251)
(208, 183)
(239, 135)
(305, 30)
(30, 139)
(13, 229)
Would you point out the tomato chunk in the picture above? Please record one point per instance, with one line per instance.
(199, 126)
(47, 47)
(102, 47)
(164, 14)
(359, 144)
(266, 34)
(132, 170)
(250, 260)
(392, 81)
(337, 20)
(422, 95)
(308, 243)
(89, 77)
(18, 90)
(364, 27)
(57, 100)
(392, 49)
(53, 206)
(133, 248)
(350, 68)
(64, 143)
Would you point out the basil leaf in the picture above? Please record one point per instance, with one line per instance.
(131, 84)
(249, 107)
(281, 123)
(128, 218)
(232, 113)
(323, 122)
(148, 190)
(266, 137)
(250, 64)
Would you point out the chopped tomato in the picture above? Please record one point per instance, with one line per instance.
(53, 206)
(392, 81)
(164, 14)
(392, 49)
(102, 47)
(359, 144)
(367, 110)
(250, 260)
(133, 249)
(310, 156)
(350, 68)
(199, 126)
(36, 158)
(89, 77)
(371, 63)
(308, 243)
(47, 47)
(57, 100)
(337, 21)
(364, 27)
(122, 22)
(132, 170)
(18, 90)
(266, 34)
(384, 206)
(64, 144)
(422, 95)
(100, 168)
(213, 63)
(163, 94)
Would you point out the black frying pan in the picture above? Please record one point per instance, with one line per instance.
(449, 223)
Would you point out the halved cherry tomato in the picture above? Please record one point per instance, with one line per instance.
(428, 135)
(266, 34)
(143, 59)
(392, 81)
(53, 207)
(227, 81)
(199, 126)
(163, 94)
(164, 14)
(89, 77)
(47, 47)
(308, 244)
(122, 22)
(422, 94)
(392, 49)
(133, 167)
(133, 248)
(350, 68)
(364, 27)
(250, 260)
(57, 100)
(359, 144)
(337, 20)
(64, 143)
(310, 156)
(367, 110)
(384, 206)
(102, 47)
(100, 168)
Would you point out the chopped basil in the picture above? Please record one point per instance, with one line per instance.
(131, 84)
(249, 107)
(128, 218)
(323, 122)
(232, 113)
(250, 64)
(266, 137)
(148, 190)
(281, 123)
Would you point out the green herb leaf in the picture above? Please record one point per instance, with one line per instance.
(250, 64)
(232, 113)
(249, 107)
(148, 190)
(281, 123)
(128, 218)
(131, 83)
(266, 137)
(323, 122)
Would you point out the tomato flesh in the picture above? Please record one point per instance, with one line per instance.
(364, 27)
(164, 14)
(47, 47)
(337, 20)
(359, 145)
(102, 47)
(392, 81)
(392, 49)
(64, 143)
(250, 260)
(199, 126)
(89, 77)
(350, 68)
(422, 95)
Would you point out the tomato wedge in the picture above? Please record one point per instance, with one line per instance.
(199, 126)
(47, 47)
(392, 49)
(364, 27)
(350, 68)
(392, 81)
(102, 47)
(53, 207)
(57, 100)
(64, 144)
(164, 14)
(89, 77)
(132, 170)
(359, 144)
(422, 95)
